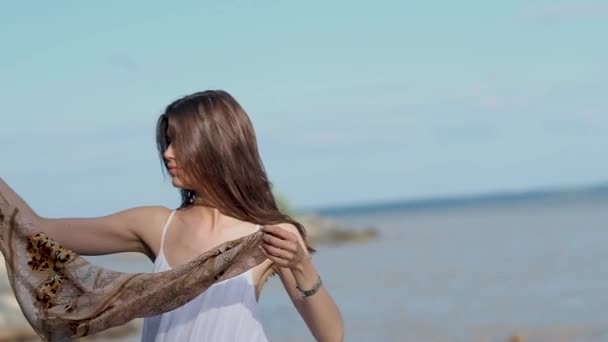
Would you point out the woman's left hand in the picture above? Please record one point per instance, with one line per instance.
(283, 247)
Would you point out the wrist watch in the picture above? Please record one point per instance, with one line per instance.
(312, 291)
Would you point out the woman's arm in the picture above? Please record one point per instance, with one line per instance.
(125, 231)
(285, 247)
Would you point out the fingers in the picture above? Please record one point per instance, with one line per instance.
(278, 253)
(275, 259)
(276, 242)
(280, 246)
(280, 233)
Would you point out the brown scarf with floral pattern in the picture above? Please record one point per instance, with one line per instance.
(62, 295)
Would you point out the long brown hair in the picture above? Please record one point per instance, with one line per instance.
(216, 147)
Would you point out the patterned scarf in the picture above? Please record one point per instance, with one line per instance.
(64, 296)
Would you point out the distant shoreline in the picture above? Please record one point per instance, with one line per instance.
(515, 197)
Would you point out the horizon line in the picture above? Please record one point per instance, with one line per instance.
(464, 198)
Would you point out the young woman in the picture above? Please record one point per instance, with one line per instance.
(208, 146)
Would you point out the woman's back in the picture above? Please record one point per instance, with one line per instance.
(227, 311)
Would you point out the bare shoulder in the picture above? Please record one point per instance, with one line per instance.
(147, 223)
(149, 212)
(147, 217)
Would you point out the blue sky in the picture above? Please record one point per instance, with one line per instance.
(352, 102)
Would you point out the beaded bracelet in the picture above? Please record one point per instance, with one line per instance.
(308, 293)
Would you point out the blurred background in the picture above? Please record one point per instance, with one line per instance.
(447, 155)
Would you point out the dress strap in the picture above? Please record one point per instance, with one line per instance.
(162, 239)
